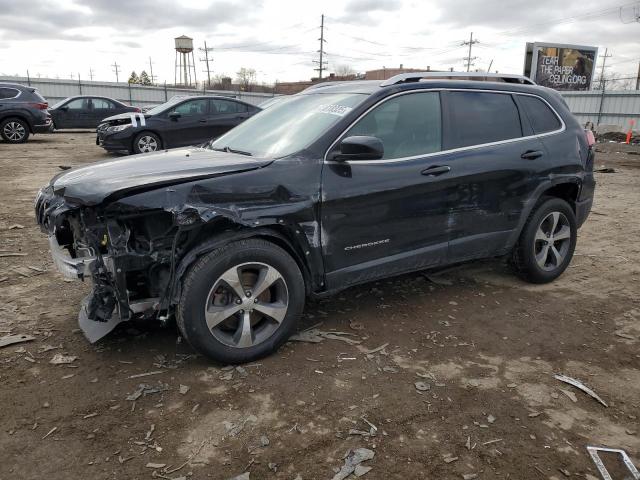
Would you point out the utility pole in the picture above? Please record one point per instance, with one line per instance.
(638, 78)
(116, 69)
(206, 51)
(604, 62)
(91, 74)
(321, 63)
(469, 58)
(153, 81)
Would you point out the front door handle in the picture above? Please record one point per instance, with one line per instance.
(531, 154)
(436, 170)
(203, 120)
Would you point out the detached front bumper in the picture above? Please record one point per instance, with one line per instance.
(114, 141)
(73, 268)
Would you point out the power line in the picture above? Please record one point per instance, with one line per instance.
(153, 78)
(604, 61)
(321, 63)
(469, 58)
(116, 69)
(206, 51)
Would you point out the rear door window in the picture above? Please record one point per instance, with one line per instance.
(476, 118)
(408, 125)
(222, 107)
(103, 104)
(542, 118)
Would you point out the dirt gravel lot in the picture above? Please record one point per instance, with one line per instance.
(484, 345)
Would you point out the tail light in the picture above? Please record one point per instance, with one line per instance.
(591, 139)
(137, 110)
(39, 106)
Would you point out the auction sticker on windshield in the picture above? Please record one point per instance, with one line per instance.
(334, 109)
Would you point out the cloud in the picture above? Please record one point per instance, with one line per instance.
(52, 21)
(369, 6)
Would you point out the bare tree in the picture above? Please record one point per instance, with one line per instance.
(343, 70)
(246, 78)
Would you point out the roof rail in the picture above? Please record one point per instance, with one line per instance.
(479, 76)
(324, 84)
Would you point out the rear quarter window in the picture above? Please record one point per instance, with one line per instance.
(6, 92)
(542, 118)
(476, 118)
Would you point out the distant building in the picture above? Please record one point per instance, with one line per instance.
(291, 88)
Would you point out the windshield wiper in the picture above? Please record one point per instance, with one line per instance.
(232, 150)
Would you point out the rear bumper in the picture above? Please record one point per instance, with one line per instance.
(42, 127)
(583, 208)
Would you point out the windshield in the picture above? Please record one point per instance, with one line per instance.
(289, 125)
(165, 106)
(56, 105)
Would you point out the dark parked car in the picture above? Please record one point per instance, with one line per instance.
(86, 111)
(23, 111)
(339, 185)
(180, 122)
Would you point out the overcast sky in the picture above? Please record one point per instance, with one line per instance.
(279, 38)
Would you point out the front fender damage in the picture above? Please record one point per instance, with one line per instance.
(137, 255)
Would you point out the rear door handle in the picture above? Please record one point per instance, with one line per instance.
(203, 120)
(436, 170)
(531, 154)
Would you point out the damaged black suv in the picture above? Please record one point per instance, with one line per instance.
(336, 186)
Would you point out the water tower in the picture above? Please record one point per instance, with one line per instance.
(185, 62)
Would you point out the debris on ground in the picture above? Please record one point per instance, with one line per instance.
(234, 429)
(144, 390)
(593, 453)
(13, 339)
(243, 476)
(353, 458)
(146, 374)
(579, 385)
(60, 359)
(605, 170)
(315, 335)
(422, 386)
(373, 350)
(155, 465)
(12, 254)
(183, 389)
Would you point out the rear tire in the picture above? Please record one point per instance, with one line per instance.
(241, 301)
(146, 142)
(14, 130)
(547, 242)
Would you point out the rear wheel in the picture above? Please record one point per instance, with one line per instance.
(547, 242)
(241, 302)
(146, 142)
(14, 130)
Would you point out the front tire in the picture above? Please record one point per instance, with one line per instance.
(241, 302)
(14, 130)
(146, 142)
(547, 242)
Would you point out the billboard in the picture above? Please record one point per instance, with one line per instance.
(560, 66)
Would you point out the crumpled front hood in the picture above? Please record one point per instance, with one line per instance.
(92, 184)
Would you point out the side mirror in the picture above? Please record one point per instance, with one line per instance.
(175, 116)
(360, 148)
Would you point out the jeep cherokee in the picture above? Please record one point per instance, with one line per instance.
(338, 185)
